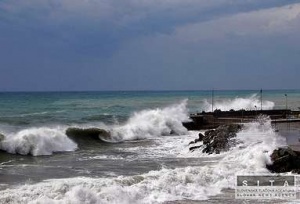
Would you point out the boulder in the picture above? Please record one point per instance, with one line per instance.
(199, 139)
(218, 140)
(284, 160)
(195, 147)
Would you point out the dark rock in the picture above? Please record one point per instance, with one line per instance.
(192, 142)
(96, 134)
(201, 137)
(195, 147)
(285, 160)
(220, 139)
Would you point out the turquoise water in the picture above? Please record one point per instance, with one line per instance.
(148, 160)
(34, 109)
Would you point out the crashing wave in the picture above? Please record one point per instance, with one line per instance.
(153, 123)
(37, 141)
(142, 125)
(250, 103)
(256, 141)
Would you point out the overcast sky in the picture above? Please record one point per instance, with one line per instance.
(61, 45)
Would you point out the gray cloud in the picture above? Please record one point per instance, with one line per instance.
(131, 44)
(119, 19)
(273, 21)
(246, 50)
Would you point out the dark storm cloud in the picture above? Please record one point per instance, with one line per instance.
(131, 44)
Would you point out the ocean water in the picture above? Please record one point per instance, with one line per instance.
(143, 163)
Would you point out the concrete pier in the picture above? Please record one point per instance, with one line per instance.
(209, 120)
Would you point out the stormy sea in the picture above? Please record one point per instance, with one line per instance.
(145, 159)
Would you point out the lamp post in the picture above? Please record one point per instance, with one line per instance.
(212, 100)
(286, 112)
(286, 106)
(261, 99)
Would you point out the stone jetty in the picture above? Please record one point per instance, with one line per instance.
(210, 120)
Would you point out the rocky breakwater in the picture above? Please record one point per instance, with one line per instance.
(284, 160)
(217, 140)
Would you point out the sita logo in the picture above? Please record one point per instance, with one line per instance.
(271, 183)
(266, 187)
(265, 181)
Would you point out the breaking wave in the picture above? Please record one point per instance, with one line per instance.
(37, 141)
(251, 103)
(141, 125)
(153, 123)
(255, 144)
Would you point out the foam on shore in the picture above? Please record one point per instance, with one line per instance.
(254, 145)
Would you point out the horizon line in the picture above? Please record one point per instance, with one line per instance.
(146, 90)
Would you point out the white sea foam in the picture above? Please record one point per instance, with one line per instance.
(37, 141)
(169, 146)
(101, 157)
(255, 144)
(153, 123)
(251, 103)
(141, 125)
